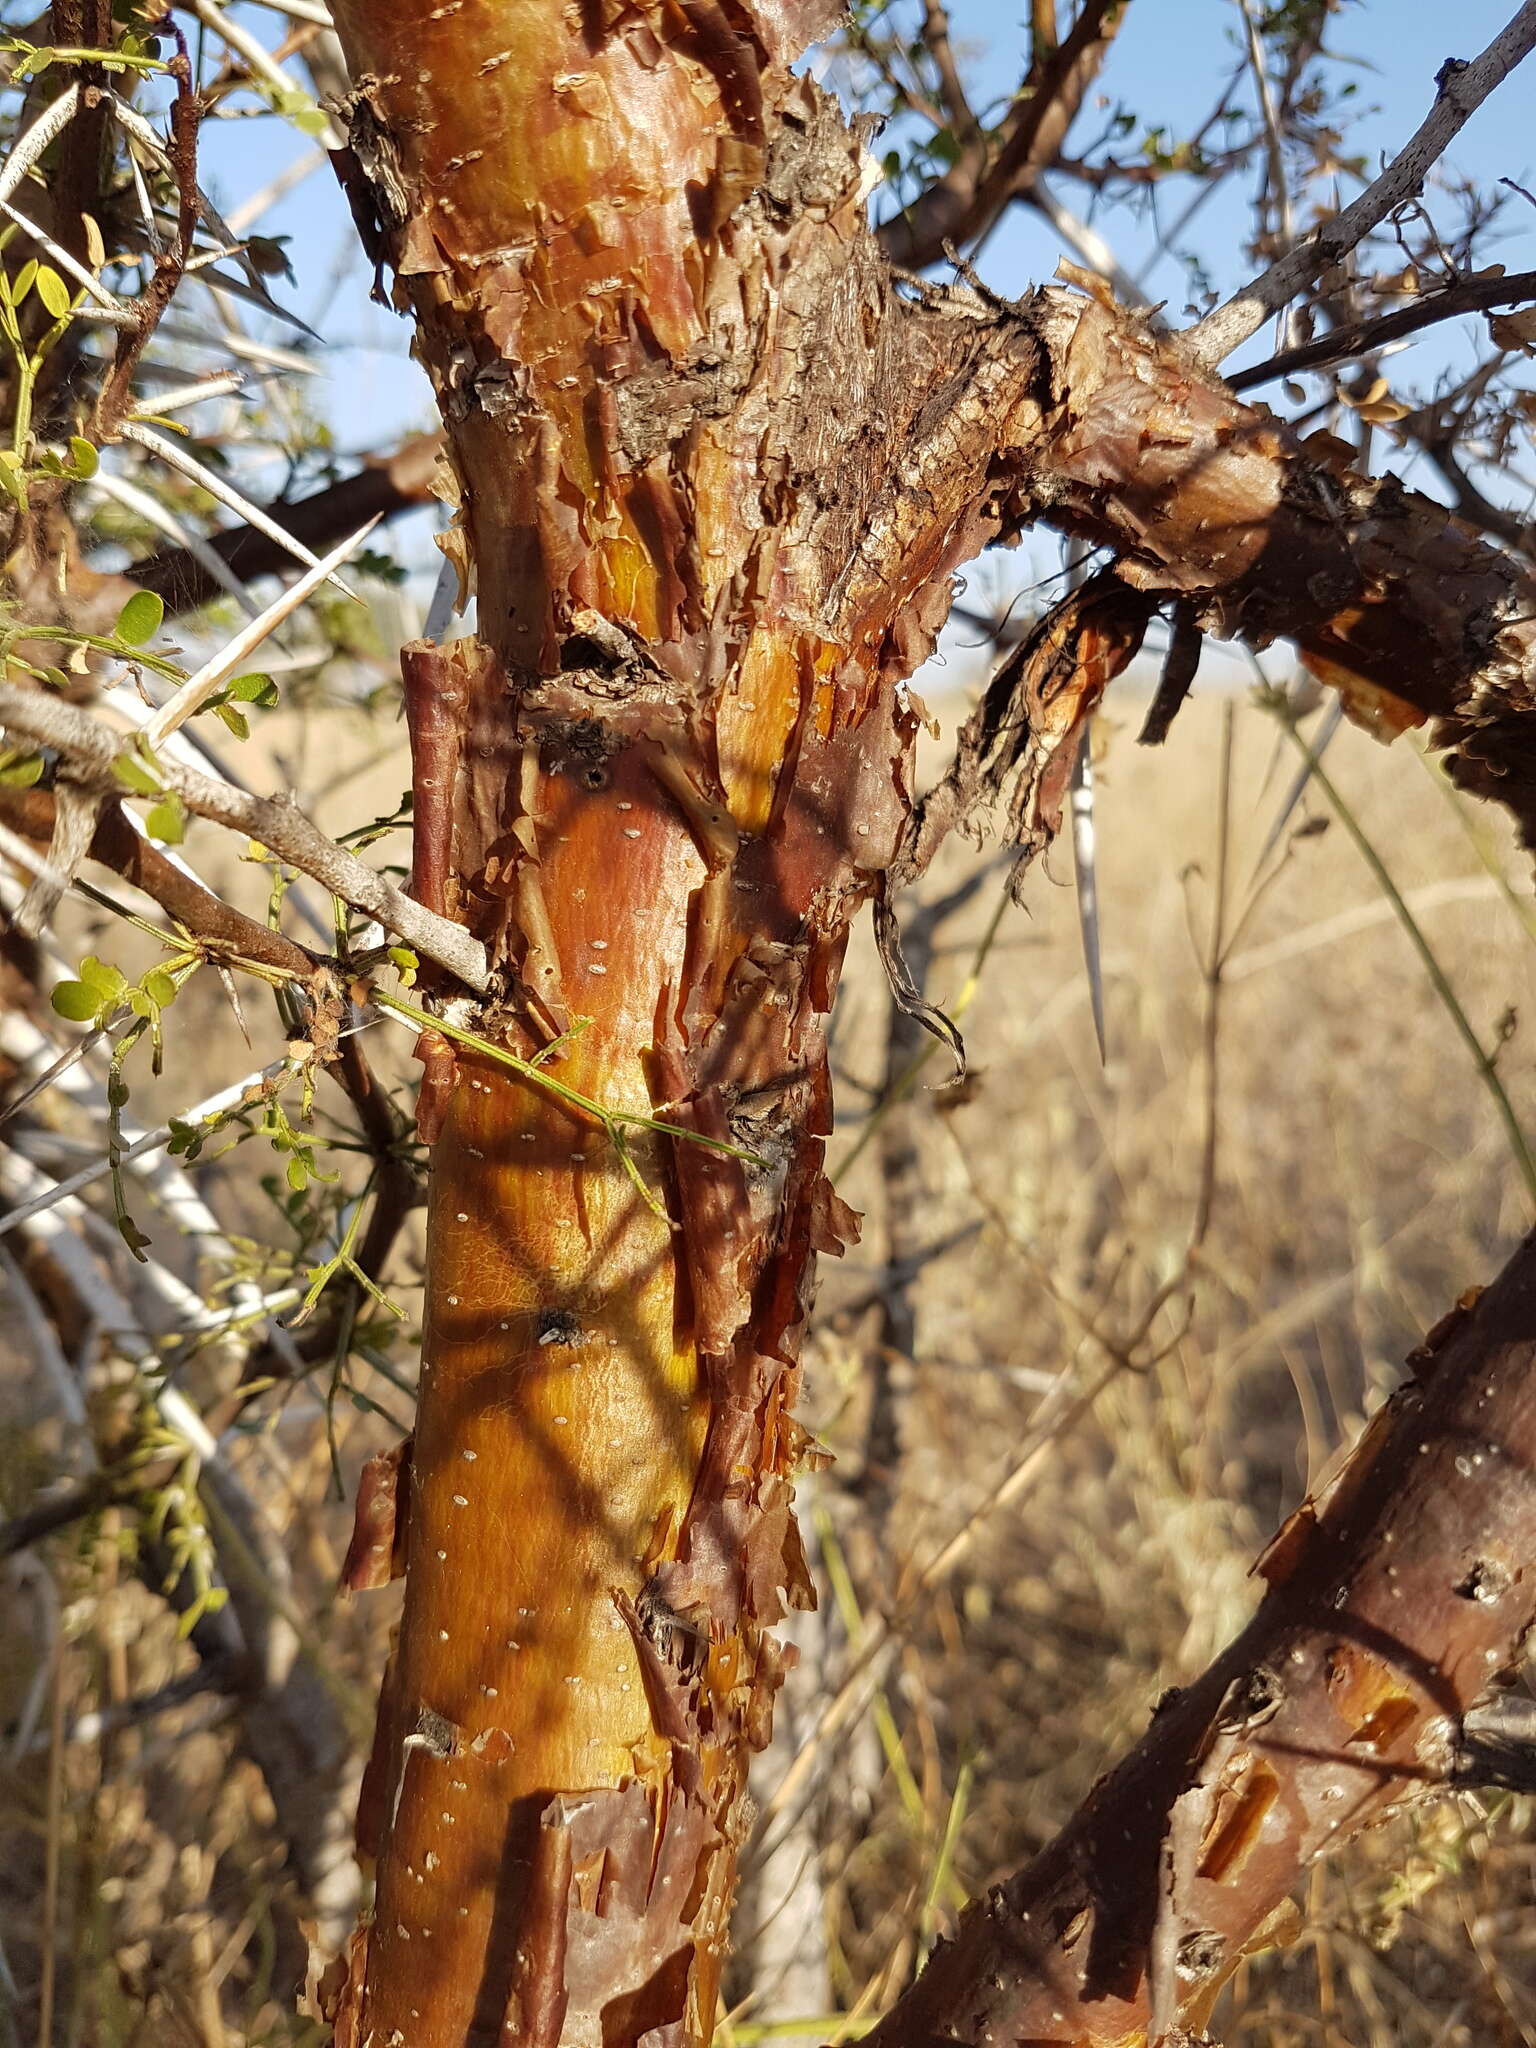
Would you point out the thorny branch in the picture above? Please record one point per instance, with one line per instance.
(170, 264)
(381, 489)
(225, 931)
(1362, 337)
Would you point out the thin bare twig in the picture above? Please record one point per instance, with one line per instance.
(1461, 90)
(228, 932)
(1214, 968)
(44, 1199)
(258, 59)
(1361, 337)
(1279, 185)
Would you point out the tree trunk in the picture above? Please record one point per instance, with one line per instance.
(658, 789)
(714, 473)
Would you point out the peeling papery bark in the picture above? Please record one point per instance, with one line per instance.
(1393, 1603)
(657, 789)
(714, 474)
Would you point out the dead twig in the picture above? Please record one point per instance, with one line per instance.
(1362, 337)
(1460, 91)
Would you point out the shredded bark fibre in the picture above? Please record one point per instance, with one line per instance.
(714, 472)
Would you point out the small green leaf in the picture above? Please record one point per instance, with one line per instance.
(236, 721)
(83, 456)
(23, 283)
(108, 981)
(12, 482)
(18, 770)
(72, 999)
(160, 987)
(167, 821)
(298, 1175)
(136, 774)
(53, 291)
(255, 689)
(139, 620)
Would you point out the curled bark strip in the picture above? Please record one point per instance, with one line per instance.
(1392, 1605)
(1179, 666)
(376, 1553)
(908, 996)
(1021, 742)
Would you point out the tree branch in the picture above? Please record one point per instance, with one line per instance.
(1391, 1607)
(1122, 441)
(1469, 503)
(92, 750)
(116, 845)
(1462, 88)
(951, 86)
(973, 192)
(1467, 295)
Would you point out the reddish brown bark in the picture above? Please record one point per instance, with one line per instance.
(657, 792)
(1391, 1606)
(715, 472)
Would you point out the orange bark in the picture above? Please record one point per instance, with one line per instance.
(657, 790)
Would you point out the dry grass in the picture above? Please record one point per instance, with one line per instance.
(1361, 1182)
